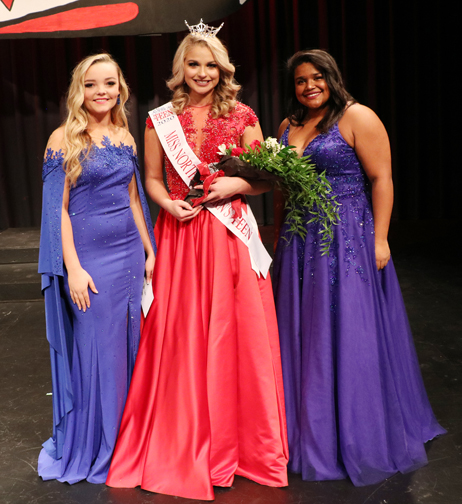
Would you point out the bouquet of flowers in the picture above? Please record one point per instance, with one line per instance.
(307, 193)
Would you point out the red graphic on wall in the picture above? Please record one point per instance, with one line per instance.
(8, 3)
(99, 18)
(83, 18)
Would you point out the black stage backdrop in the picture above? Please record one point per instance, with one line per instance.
(397, 57)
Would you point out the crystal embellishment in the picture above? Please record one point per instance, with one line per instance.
(203, 30)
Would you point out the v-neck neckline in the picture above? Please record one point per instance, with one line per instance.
(300, 154)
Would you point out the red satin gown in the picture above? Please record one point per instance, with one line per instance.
(206, 399)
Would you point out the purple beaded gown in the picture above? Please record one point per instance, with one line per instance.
(101, 342)
(355, 400)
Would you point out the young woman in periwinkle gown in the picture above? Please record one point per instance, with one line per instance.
(206, 400)
(96, 244)
(355, 401)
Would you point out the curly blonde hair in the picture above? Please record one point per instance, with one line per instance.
(225, 93)
(77, 140)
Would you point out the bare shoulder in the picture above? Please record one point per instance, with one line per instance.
(361, 124)
(360, 116)
(282, 127)
(56, 140)
(127, 139)
(150, 134)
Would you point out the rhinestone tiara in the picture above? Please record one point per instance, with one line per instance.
(203, 30)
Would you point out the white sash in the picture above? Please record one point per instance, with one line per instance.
(185, 162)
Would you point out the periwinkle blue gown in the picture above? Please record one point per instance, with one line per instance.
(355, 402)
(92, 352)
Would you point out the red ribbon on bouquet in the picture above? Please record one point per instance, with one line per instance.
(207, 180)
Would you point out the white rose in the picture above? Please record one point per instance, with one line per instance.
(222, 150)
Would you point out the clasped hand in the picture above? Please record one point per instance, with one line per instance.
(221, 188)
(182, 210)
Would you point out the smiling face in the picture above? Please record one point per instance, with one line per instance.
(101, 89)
(311, 88)
(201, 72)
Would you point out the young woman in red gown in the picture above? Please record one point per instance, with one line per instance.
(206, 400)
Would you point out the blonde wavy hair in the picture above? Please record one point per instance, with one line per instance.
(77, 140)
(225, 93)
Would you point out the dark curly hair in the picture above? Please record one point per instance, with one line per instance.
(339, 98)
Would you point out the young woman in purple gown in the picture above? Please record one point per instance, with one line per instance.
(355, 401)
(96, 244)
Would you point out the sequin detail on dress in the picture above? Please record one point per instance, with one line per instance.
(352, 190)
(54, 161)
(103, 341)
(223, 130)
(355, 401)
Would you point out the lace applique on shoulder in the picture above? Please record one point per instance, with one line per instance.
(248, 115)
(53, 159)
(110, 150)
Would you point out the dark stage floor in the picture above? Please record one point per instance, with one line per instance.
(431, 282)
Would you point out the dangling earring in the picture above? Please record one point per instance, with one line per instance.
(118, 100)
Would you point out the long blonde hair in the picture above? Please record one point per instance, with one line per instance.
(224, 95)
(76, 138)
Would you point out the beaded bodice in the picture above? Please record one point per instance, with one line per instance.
(226, 130)
(331, 153)
(106, 171)
(101, 192)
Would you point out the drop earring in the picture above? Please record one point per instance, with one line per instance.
(118, 100)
